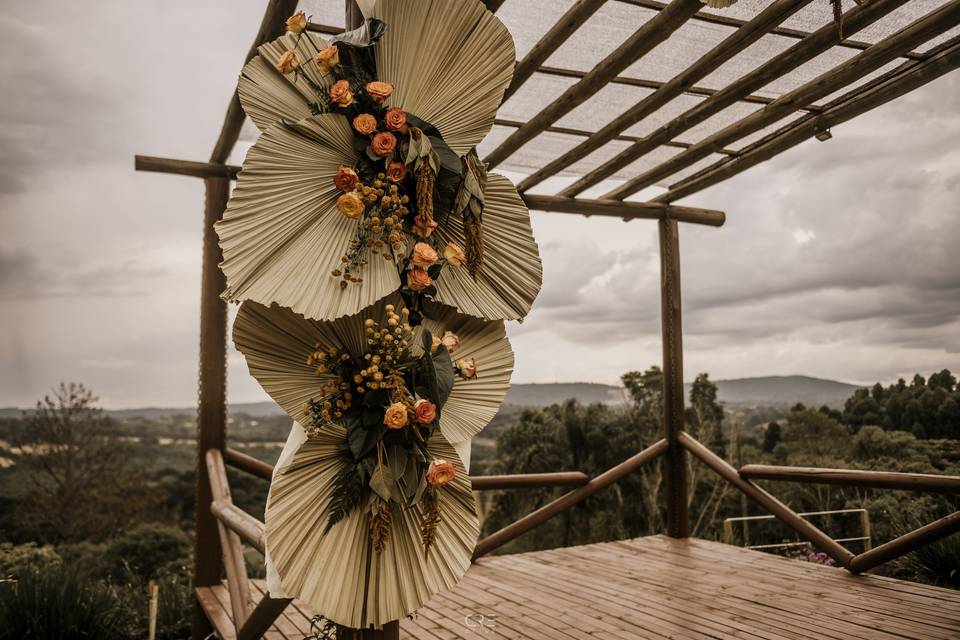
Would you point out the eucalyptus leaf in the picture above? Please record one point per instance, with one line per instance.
(381, 481)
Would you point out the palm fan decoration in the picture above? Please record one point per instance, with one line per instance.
(364, 180)
(374, 513)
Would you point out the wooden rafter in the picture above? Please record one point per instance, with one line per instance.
(807, 49)
(736, 42)
(905, 78)
(933, 24)
(644, 39)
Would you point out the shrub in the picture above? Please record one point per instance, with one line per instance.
(147, 551)
(55, 604)
(16, 560)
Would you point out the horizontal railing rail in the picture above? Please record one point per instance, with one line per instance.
(854, 478)
(866, 538)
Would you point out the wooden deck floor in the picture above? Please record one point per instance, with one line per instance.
(657, 587)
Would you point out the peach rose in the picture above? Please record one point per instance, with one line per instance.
(396, 416)
(423, 255)
(341, 94)
(288, 62)
(297, 23)
(440, 473)
(451, 341)
(346, 178)
(365, 124)
(418, 279)
(396, 172)
(396, 119)
(423, 227)
(467, 368)
(424, 411)
(379, 91)
(327, 58)
(454, 255)
(383, 144)
(351, 205)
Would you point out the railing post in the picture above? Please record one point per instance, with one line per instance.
(675, 467)
(212, 411)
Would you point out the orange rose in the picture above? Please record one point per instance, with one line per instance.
(418, 279)
(365, 124)
(288, 62)
(423, 227)
(379, 91)
(467, 368)
(297, 23)
(396, 416)
(454, 255)
(341, 94)
(396, 172)
(440, 473)
(396, 119)
(424, 411)
(383, 144)
(451, 341)
(346, 178)
(351, 205)
(328, 58)
(423, 255)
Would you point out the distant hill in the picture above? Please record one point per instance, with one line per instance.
(760, 391)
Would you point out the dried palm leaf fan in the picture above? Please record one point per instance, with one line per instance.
(285, 237)
(356, 525)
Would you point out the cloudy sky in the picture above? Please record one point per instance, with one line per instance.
(838, 260)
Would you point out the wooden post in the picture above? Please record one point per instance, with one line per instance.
(212, 411)
(675, 465)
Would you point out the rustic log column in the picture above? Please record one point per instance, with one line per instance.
(212, 411)
(674, 466)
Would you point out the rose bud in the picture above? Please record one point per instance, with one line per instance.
(454, 255)
(423, 226)
(365, 124)
(418, 279)
(440, 473)
(451, 341)
(424, 411)
(396, 416)
(396, 171)
(288, 62)
(341, 94)
(396, 119)
(351, 205)
(467, 368)
(328, 58)
(346, 178)
(297, 23)
(383, 144)
(423, 255)
(379, 91)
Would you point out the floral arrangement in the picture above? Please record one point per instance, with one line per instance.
(389, 401)
(405, 175)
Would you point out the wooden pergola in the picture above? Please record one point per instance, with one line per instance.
(872, 73)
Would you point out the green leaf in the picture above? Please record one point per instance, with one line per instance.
(382, 481)
(443, 370)
(426, 340)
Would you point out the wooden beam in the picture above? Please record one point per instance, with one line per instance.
(709, 62)
(902, 80)
(644, 39)
(614, 208)
(493, 5)
(854, 478)
(212, 382)
(796, 34)
(906, 543)
(583, 206)
(567, 500)
(800, 53)
(251, 465)
(185, 167)
(238, 583)
(671, 330)
(240, 522)
(783, 513)
(262, 617)
(569, 22)
(272, 26)
(864, 63)
(529, 480)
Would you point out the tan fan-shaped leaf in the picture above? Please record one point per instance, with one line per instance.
(276, 341)
(269, 96)
(338, 574)
(449, 61)
(510, 277)
(282, 235)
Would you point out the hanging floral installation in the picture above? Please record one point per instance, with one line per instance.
(377, 491)
(376, 260)
(365, 179)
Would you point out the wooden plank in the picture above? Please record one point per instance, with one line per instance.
(873, 58)
(232, 550)
(624, 210)
(709, 62)
(528, 480)
(241, 523)
(272, 26)
(853, 478)
(644, 39)
(218, 616)
(807, 49)
(265, 616)
(890, 86)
